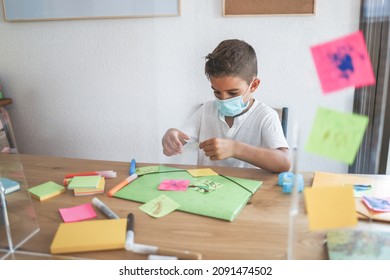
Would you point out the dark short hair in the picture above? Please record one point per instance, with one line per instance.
(232, 58)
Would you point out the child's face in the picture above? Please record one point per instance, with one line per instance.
(230, 86)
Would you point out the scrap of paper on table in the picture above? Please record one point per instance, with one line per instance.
(205, 186)
(159, 206)
(343, 62)
(78, 213)
(330, 207)
(336, 135)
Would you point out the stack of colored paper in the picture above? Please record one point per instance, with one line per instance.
(9, 185)
(88, 236)
(46, 190)
(87, 185)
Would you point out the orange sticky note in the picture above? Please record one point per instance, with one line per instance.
(330, 207)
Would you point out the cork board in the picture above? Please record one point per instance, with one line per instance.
(268, 7)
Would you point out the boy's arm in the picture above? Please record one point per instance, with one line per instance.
(274, 160)
(173, 141)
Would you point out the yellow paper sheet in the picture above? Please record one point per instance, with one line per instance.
(330, 207)
(380, 188)
(87, 236)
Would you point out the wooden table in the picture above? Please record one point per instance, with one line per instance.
(259, 232)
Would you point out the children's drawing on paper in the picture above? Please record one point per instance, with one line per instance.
(342, 63)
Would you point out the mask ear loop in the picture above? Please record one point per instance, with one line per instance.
(248, 90)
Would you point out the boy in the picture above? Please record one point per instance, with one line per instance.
(234, 129)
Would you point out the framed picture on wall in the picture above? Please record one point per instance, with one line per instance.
(268, 7)
(40, 10)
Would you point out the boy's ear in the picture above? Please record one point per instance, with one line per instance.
(255, 84)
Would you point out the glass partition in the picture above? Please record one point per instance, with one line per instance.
(18, 221)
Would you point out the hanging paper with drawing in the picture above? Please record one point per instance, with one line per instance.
(342, 63)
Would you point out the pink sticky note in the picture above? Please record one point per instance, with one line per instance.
(174, 185)
(343, 62)
(78, 213)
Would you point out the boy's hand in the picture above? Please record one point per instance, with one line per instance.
(173, 141)
(218, 148)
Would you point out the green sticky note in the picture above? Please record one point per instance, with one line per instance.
(336, 135)
(46, 190)
(84, 182)
(159, 206)
(154, 169)
(146, 170)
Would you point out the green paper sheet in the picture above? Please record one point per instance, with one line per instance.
(336, 135)
(224, 203)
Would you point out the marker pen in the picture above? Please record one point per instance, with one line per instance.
(125, 182)
(161, 257)
(103, 173)
(102, 207)
(154, 250)
(129, 232)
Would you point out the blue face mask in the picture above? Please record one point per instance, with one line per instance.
(232, 106)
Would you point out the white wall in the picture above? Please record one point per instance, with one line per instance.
(109, 89)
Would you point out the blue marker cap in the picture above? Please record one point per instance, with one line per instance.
(132, 167)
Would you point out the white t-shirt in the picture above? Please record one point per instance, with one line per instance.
(260, 127)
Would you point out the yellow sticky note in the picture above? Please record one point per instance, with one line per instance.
(202, 172)
(330, 207)
(88, 236)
